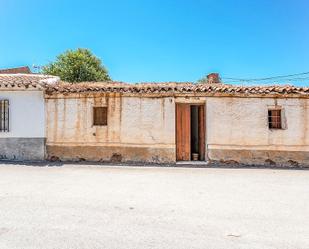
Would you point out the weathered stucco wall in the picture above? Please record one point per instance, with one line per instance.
(139, 129)
(237, 130)
(26, 137)
(143, 129)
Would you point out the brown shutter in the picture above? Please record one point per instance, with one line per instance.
(100, 116)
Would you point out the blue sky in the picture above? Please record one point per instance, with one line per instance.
(161, 40)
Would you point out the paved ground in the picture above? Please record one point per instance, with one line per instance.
(135, 207)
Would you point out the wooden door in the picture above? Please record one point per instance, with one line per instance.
(201, 132)
(183, 132)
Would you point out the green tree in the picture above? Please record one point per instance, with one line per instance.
(77, 66)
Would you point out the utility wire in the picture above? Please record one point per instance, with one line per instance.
(267, 78)
(277, 80)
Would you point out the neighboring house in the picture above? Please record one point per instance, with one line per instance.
(24, 70)
(22, 116)
(171, 122)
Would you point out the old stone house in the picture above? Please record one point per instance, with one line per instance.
(174, 122)
(22, 116)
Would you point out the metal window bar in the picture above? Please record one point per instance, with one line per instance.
(4, 116)
(274, 119)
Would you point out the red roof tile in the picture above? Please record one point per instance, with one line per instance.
(24, 80)
(16, 70)
(176, 88)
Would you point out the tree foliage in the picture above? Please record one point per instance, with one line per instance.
(77, 66)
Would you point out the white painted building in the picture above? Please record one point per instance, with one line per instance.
(22, 116)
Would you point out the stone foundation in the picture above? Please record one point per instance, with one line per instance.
(261, 157)
(22, 149)
(112, 154)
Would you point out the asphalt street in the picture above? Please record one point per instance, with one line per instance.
(91, 206)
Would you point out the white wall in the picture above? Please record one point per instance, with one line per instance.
(27, 116)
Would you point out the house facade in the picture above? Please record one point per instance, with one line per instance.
(22, 116)
(43, 118)
(174, 122)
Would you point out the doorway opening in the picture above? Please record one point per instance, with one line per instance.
(194, 133)
(190, 132)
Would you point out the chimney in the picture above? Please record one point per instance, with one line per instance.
(213, 78)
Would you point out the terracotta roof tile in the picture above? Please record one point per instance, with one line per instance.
(25, 81)
(175, 88)
(15, 70)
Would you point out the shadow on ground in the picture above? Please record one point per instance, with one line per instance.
(47, 163)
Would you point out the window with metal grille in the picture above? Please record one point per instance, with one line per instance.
(100, 116)
(4, 115)
(275, 119)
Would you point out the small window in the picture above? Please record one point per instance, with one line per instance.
(99, 115)
(4, 115)
(275, 119)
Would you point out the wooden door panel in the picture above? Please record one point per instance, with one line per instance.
(183, 132)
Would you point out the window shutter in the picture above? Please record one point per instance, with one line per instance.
(100, 116)
(283, 120)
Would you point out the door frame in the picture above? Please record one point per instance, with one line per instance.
(201, 125)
